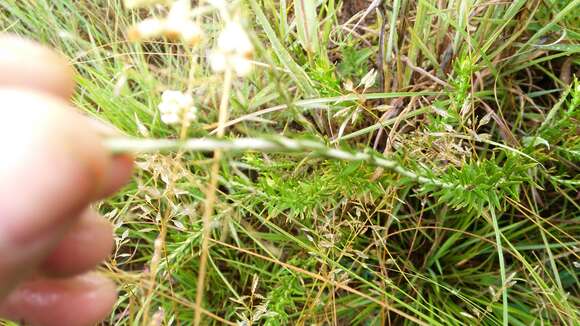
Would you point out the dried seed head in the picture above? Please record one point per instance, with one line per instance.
(348, 85)
(369, 79)
(157, 319)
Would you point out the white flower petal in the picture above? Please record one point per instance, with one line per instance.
(234, 39)
(169, 95)
(170, 119)
(191, 114)
(176, 105)
(146, 29)
(218, 61)
(167, 108)
(241, 65)
(219, 4)
(191, 33)
(180, 11)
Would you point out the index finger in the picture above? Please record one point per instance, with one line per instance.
(27, 65)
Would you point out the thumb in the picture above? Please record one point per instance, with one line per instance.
(51, 167)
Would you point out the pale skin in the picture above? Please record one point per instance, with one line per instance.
(52, 167)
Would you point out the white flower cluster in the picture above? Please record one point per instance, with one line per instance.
(234, 50)
(178, 25)
(176, 107)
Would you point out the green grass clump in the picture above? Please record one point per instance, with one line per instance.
(476, 102)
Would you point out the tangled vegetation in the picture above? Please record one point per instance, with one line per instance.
(473, 105)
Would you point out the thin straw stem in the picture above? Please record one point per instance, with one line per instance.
(210, 197)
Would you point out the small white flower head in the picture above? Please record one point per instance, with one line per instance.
(234, 39)
(180, 10)
(234, 50)
(185, 30)
(242, 66)
(147, 29)
(177, 25)
(176, 107)
(191, 34)
(218, 61)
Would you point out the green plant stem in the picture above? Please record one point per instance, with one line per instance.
(502, 268)
(272, 144)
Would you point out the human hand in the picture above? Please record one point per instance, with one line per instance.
(52, 166)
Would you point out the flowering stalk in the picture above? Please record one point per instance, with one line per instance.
(270, 144)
